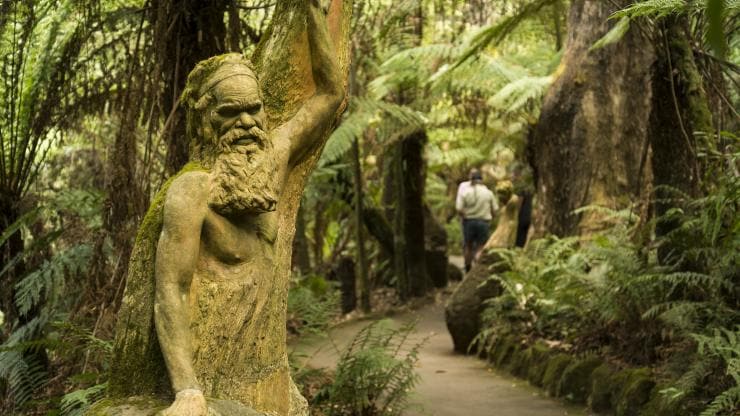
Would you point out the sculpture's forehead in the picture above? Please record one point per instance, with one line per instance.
(237, 87)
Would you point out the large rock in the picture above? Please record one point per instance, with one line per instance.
(467, 301)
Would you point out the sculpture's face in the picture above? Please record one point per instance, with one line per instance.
(236, 109)
(244, 170)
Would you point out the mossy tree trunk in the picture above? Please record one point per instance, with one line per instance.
(283, 65)
(680, 111)
(185, 33)
(406, 180)
(590, 144)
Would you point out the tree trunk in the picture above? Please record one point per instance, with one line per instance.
(263, 378)
(435, 250)
(591, 138)
(406, 179)
(301, 260)
(413, 174)
(10, 212)
(680, 108)
(185, 33)
(363, 281)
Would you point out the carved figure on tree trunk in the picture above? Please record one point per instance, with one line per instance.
(217, 328)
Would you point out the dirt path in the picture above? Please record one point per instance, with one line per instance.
(451, 384)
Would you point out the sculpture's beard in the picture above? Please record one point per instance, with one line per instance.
(244, 179)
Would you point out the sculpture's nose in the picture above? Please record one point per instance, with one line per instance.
(245, 120)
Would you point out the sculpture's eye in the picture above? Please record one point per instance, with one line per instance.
(228, 111)
(254, 108)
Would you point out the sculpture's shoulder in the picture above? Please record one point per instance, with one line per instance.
(188, 192)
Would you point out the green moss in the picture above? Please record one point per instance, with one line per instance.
(129, 406)
(601, 388)
(519, 361)
(539, 355)
(503, 351)
(137, 366)
(575, 383)
(555, 367)
(635, 392)
(663, 405)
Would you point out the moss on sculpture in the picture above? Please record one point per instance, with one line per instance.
(138, 367)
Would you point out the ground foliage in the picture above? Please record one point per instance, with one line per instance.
(374, 375)
(608, 294)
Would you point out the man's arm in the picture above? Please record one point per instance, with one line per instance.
(312, 118)
(177, 254)
(459, 203)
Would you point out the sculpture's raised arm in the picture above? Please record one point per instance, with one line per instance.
(311, 120)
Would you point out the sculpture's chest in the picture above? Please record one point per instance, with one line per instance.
(246, 241)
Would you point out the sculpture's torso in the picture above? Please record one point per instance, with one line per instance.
(237, 311)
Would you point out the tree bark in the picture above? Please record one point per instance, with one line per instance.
(406, 179)
(185, 33)
(589, 143)
(363, 281)
(435, 250)
(301, 260)
(680, 108)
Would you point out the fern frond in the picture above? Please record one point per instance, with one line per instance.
(498, 31)
(515, 95)
(614, 35)
(77, 403)
(364, 114)
(50, 276)
(727, 401)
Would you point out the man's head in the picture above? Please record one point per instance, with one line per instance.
(221, 93)
(475, 175)
(226, 128)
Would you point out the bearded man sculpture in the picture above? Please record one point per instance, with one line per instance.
(217, 328)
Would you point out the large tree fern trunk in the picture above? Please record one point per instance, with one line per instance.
(679, 116)
(589, 145)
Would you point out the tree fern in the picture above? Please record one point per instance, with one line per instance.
(366, 113)
(725, 344)
(40, 290)
(76, 403)
(375, 373)
(498, 31)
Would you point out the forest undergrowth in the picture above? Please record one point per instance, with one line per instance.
(669, 302)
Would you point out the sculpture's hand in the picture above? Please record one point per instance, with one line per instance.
(188, 402)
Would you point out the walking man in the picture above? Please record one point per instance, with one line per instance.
(477, 205)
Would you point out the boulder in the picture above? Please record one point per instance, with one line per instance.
(464, 307)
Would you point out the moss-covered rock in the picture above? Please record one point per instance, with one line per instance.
(539, 355)
(555, 367)
(575, 383)
(602, 386)
(503, 351)
(634, 393)
(518, 361)
(663, 405)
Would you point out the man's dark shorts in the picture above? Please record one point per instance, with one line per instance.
(476, 232)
